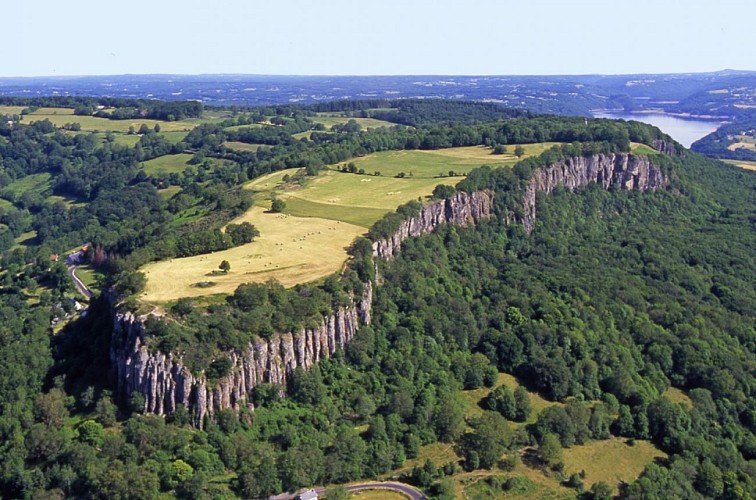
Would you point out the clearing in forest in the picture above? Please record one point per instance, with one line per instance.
(167, 164)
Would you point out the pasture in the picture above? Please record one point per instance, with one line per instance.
(96, 124)
(290, 249)
(352, 198)
(242, 146)
(439, 162)
(167, 164)
(11, 110)
(331, 119)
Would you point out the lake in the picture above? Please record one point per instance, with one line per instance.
(686, 131)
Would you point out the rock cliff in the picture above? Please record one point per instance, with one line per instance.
(461, 209)
(165, 381)
(623, 170)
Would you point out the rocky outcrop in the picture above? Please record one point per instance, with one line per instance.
(165, 381)
(623, 170)
(667, 147)
(460, 210)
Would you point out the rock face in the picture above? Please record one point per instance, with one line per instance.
(165, 381)
(666, 147)
(623, 170)
(461, 209)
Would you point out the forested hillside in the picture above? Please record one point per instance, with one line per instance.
(623, 316)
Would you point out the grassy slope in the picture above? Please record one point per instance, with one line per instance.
(167, 164)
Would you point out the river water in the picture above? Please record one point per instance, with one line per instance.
(686, 131)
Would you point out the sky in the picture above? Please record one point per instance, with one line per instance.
(382, 37)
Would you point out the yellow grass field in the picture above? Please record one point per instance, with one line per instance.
(93, 123)
(10, 110)
(290, 249)
(611, 460)
(747, 165)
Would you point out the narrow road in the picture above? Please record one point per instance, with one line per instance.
(79, 284)
(405, 489)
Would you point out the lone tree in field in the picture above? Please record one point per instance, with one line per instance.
(277, 206)
(519, 151)
(225, 266)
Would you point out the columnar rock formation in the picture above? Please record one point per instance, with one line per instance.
(165, 381)
(621, 170)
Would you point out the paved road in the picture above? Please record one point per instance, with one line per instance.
(406, 489)
(79, 284)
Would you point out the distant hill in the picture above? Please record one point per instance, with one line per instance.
(726, 93)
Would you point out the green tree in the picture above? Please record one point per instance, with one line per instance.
(448, 417)
(522, 404)
(277, 206)
(519, 151)
(224, 266)
(50, 408)
(549, 451)
(242, 233)
(490, 438)
(91, 433)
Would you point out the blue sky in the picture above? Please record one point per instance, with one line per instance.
(383, 37)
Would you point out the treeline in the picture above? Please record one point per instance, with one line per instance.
(125, 109)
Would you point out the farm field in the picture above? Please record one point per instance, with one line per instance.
(744, 142)
(290, 249)
(10, 110)
(93, 123)
(242, 146)
(331, 119)
(167, 164)
(747, 165)
(432, 163)
(359, 199)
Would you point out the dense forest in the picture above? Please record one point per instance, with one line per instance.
(615, 297)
